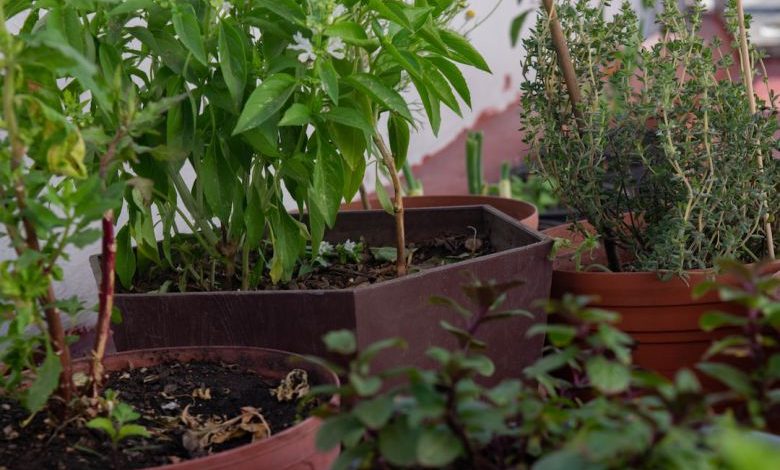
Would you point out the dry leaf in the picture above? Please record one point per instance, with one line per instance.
(295, 385)
(202, 393)
(202, 435)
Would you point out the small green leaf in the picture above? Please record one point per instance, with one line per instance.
(732, 377)
(132, 430)
(558, 335)
(382, 196)
(384, 254)
(131, 6)
(337, 429)
(608, 376)
(265, 101)
(47, 377)
(186, 24)
(351, 33)
(462, 50)
(365, 386)
(438, 447)
(376, 412)
(116, 316)
(452, 304)
(398, 443)
(391, 10)
(125, 257)
(516, 26)
(454, 76)
(341, 341)
(398, 135)
(349, 117)
(714, 320)
(103, 424)
(329, 79)
(296, 115)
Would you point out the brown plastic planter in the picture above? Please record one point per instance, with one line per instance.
(660, 316)
(297, 320)
(522, 211)
(292, 449)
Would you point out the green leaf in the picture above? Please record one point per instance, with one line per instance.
(289, 10)
(376, 412)
(349, 117)
(218, 182)
(454, 76)
(232, 59)
(337, 429)
(265, 101)
(103, 424)
(517, 26)
(398, 443)
(47, 378)
(116, 316)
(132, 430)
(432, 106)
(125, 257)
(732, 377)
(729, 343)
(452, 304)
(380, 92)
(341, 341)
(558, 335)
(328, 183)
(384, 254)
(438, 447)
(329, 79)
(289, 243)
(398, 135)
(131, 6)
(391, 10)
(351, 33)
(365, 386)
(608, 376)
(713, 320)
(462, 50)
(296, 115)
(185, 22)
(254, 219)
(382, 196)
(436, 83)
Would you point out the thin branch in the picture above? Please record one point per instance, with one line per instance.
(398, 205)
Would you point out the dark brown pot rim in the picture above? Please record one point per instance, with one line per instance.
(541, 237)
(308, 425)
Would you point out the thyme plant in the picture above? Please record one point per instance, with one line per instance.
(281, 97)
(660, 151)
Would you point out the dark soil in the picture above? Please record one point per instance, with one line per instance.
(339, 274)
(160, 394)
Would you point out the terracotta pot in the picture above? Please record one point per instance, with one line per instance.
(524, 212)
(660, 316)
(296, 320)
(292, 449)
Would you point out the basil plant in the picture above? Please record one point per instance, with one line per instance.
(278, 98)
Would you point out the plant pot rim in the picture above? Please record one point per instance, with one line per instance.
(540, 237)
(310, 422)
(646, 276)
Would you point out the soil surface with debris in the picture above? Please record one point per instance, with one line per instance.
(367, 269)
(190, 410)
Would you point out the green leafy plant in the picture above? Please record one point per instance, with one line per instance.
(281, 98)
(664, 133)
(118, 424)
(69, 122)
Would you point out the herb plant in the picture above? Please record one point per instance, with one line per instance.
(119, 424)
(581, 405)
(281, 97)
(69, 120)
(660, 150)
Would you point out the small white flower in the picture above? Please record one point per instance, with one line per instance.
(325, 249)
(349, 246)
(339, 10)
(304, 45)
(336, 47)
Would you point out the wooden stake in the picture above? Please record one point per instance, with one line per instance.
(747, 78)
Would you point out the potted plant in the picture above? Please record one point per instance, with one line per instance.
(66, 129)
(664, 151)
(286, 100)
(500, 196)
(608, 414)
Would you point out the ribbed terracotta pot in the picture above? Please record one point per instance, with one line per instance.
(521, 211)
(661, 316)
(292, 449)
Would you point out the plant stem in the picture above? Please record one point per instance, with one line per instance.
(48, 300)
(364, 197)
(398, 206)
(747, 77)
(108, 272)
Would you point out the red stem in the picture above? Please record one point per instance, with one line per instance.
(102, 329)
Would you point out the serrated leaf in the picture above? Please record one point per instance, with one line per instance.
(376, 412)
(341, 341)
(265, 101)
(47, 378)
(607, 376)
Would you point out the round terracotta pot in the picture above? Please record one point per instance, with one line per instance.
(291, 449)
(661, 316)
(522, 211)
